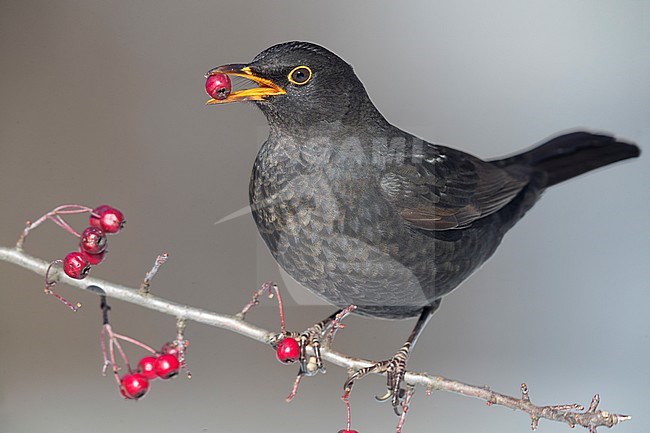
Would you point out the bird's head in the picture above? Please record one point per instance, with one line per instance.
(298, 84)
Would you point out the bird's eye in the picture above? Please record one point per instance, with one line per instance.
(300, 75)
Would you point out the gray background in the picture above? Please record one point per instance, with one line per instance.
(103, 102)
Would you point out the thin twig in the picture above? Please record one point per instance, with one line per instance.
(571, 414)
(54, 216)
(146, 283)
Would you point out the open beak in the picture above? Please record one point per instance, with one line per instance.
(265, 87)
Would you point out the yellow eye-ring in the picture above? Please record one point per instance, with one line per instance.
(299, 75)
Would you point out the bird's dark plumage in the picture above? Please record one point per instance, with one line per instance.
(363, 213)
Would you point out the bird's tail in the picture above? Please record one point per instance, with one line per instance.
(572, 154)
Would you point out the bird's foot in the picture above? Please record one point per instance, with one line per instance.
(395, 369)
(305, 347)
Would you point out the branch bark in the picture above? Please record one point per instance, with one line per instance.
(571, 414)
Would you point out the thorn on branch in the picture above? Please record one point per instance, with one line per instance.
(271, 289)
(146, 283)
(23, 235)
(524, 393)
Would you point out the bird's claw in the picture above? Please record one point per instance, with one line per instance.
(395, 370)
(385, 396)
(312, 363)
(312, 336)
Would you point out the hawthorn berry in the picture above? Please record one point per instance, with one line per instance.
(94, 259)
(287, 350)
(147, 367)
(218, 86)
(167, 366)
(75, 265)
(93, 240)
(133, 386)
(107, 218)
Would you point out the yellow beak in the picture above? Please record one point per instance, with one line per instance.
(265, 87)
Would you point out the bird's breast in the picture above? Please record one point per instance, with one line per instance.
(292, 200)
(331, 230)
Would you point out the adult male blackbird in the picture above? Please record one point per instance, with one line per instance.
(361, 212)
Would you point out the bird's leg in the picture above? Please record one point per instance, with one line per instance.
(395, 367)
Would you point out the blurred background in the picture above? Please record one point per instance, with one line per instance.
(103, 102)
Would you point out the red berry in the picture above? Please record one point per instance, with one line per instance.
(107, 218)
(166, 366)
(134, 385)
(287, 350)
(348, 431)
(75, 265)
(218, 86)
(94, 259)
(95, 215)
(93, 240)
(123, 393)
(147, 367)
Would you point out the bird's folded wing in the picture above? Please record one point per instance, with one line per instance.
(448, 189)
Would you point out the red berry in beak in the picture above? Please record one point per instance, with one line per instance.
(93, 240)
(75, 265)
(218, 86)
(133, 386)
(147, 367)
(107, 218)
(166, 366)
(287, 350)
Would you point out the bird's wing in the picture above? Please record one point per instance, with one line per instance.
(440, 188)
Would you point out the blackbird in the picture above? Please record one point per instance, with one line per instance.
(361, 212)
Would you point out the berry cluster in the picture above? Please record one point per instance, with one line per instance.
(103, 220)
(93, 241)
(164, 365)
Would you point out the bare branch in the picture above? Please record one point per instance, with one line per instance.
(571, 414)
